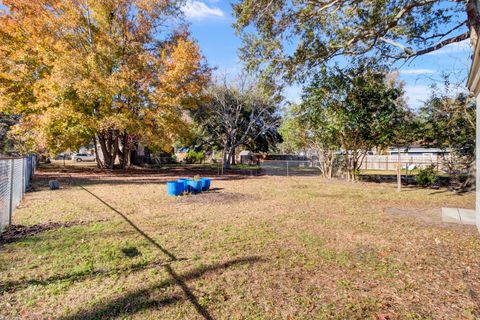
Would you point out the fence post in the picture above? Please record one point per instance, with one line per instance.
(23, 178)
(287, 168)
(10, 208)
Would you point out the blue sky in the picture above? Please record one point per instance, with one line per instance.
(211, 24)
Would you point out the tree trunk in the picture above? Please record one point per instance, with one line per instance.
(352, 165)
(233, 157)
(349, 167)
(327, 159)
(97, 157)
(228, 152)
(124, 153)
(331, 159)
(469, 183)
(109, 144)
(106, 155)
(226, 160)
(115, 149)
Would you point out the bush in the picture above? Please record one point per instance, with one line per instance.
(426, 177)
(195, 157)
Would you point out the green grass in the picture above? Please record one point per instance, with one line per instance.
(257, 248)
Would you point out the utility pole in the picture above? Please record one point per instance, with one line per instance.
(399, 172)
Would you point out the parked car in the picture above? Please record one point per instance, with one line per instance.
(79, 157)
(63, 156)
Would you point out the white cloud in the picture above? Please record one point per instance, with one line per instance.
(199, 10)
(417, 95)
(417, 71)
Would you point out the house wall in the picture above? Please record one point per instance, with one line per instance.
(473, 84)
(477, 158)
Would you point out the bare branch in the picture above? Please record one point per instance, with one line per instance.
(442, 44)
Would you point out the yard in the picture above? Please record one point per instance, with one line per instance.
(113, 245)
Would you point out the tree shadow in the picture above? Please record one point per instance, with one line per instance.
(139, 299)
(135, 301)
(12, 286)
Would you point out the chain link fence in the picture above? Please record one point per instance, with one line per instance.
(409, 162)
(290, 167)
(15, 177)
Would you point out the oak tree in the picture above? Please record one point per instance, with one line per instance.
(294, 37)
(354, 110)
(116, 72)
(238, 113)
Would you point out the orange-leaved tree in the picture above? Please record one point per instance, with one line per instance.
(115, 72)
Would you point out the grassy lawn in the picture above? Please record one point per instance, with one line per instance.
(110, 245)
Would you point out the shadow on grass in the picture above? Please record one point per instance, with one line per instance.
(136, 300)
(140, 299)
(12, 286)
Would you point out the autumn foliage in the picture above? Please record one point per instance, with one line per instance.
(116, 72)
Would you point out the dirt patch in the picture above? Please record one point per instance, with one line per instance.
(16, 232)
(214, 198)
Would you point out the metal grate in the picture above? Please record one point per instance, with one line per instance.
(15, 176)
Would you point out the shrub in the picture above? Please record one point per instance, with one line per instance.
(195, 157)
(427, 177)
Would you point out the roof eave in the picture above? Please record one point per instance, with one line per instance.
(473, 82)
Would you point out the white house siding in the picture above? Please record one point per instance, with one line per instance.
(474, 86)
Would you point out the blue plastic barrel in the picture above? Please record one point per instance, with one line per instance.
(173, 188)
(205, 184)
(195, 186)
(188, 188)
(183, 184)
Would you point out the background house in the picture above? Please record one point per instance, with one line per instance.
(419, 151)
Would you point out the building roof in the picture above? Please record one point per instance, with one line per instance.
(473, 82)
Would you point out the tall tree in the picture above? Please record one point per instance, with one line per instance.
(293, 131)
(448, 121)
(114, 72)
(238, 113)
(6, 122)
(296, 36)
(312, 130)
(356, 109)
